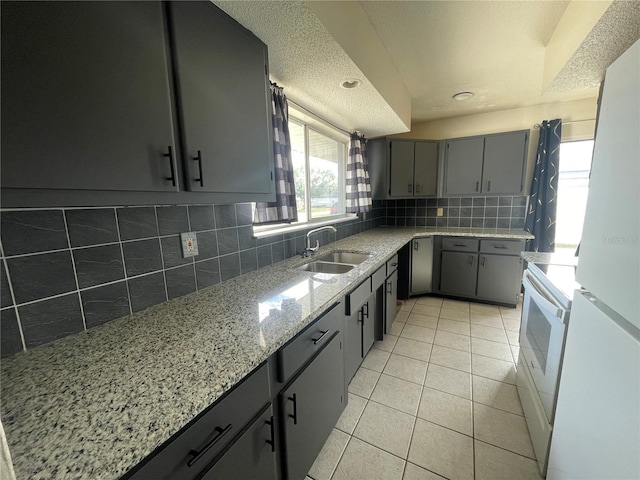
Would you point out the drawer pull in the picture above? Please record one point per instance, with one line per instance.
(394, 264)
(197, 455)
(500, 247)
(169, 155)
(324, 334)
(295, 409)
(271, 442)
(459, 244)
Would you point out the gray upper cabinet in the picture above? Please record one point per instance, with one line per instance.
(504, 156)
(403, 168)
(86, 100)
(401, 155)
(464, 166)
(222, 82)
(486, 165)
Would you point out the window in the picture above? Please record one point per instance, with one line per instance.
(573, 188)
(319, 153)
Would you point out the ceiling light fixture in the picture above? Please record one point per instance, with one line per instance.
(350, 83)
(462, 96)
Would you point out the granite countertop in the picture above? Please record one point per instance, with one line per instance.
(550, 258)
(95, 404)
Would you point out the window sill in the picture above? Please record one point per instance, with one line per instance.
(268, 230)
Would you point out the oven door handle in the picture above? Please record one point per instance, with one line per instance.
(542, 296)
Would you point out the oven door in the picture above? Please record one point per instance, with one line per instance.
(542, 340)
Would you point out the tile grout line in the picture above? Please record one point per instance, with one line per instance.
(124, 267)
(75, 273)
(13, 297)
(164, 270)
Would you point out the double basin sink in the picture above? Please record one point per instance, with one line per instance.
(335, 263)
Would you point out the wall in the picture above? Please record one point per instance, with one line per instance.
(68, 270)
(573, 115)
(474, 212)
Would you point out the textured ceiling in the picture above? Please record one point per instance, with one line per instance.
(306, 60)
(495, 49)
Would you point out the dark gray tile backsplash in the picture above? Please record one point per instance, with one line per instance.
(74, 269)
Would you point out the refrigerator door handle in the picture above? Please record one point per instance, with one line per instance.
(542, 297)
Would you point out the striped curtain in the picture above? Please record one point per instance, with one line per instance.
(541, 216)
(284, 209)
(358, 185)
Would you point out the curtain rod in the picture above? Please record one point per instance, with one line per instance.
(538, 125)
(299, 107)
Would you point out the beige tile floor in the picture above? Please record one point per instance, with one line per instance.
(436, 399)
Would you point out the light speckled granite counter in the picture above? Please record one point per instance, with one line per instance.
(93, 405)
(550, 258)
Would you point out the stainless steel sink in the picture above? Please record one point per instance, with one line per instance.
(350, 258)
(326, 267)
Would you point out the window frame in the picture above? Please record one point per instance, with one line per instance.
(309, 121)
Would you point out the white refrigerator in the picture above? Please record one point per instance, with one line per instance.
(596, 434)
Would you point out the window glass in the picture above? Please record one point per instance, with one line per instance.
(324, 175)
(573, 188)
(298, 156)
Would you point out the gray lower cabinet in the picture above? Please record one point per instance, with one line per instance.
(391, 297)
(458, 273)
(252, 456)
(209, 437)
(499, 277)
(310, 407)
(222, 82)
(86, 102)
(360, 328)
(368, 324)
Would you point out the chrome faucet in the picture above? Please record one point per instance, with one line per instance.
(309, 250)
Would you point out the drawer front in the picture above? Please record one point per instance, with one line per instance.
(307, 343)
(378, 278)
(193, 449)
(355, 299)
(502, 247)
(460, 244)
(392, 264)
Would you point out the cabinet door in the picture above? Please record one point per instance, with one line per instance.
(85, 96)
(311, 406)
(401, 168)
(252, 456)
(391, 297)
(464, 166)
(352, 344)
(368, 324)
(225, 103)
(504, 159)
(458, 273)
(421, 265)
(426, 168)
(499, 278)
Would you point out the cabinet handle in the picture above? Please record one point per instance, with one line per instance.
(459, 244)
(295, 409)
(169, 155)
(488, 185)
(324, 334)
(197, 455)
(410, 190)
(198, 159)
(389, 287)
(484, 260)
(470, 259)
(272, 435)
(416, 245)
(366, 306)
(417, 188)
(360, 316)
(394, 264)
(477, 186)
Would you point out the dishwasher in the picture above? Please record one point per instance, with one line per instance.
(421, 266)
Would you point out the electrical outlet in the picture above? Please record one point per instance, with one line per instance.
(440, 212)
(189, 242)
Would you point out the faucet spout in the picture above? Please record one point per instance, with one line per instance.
(309, 250)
